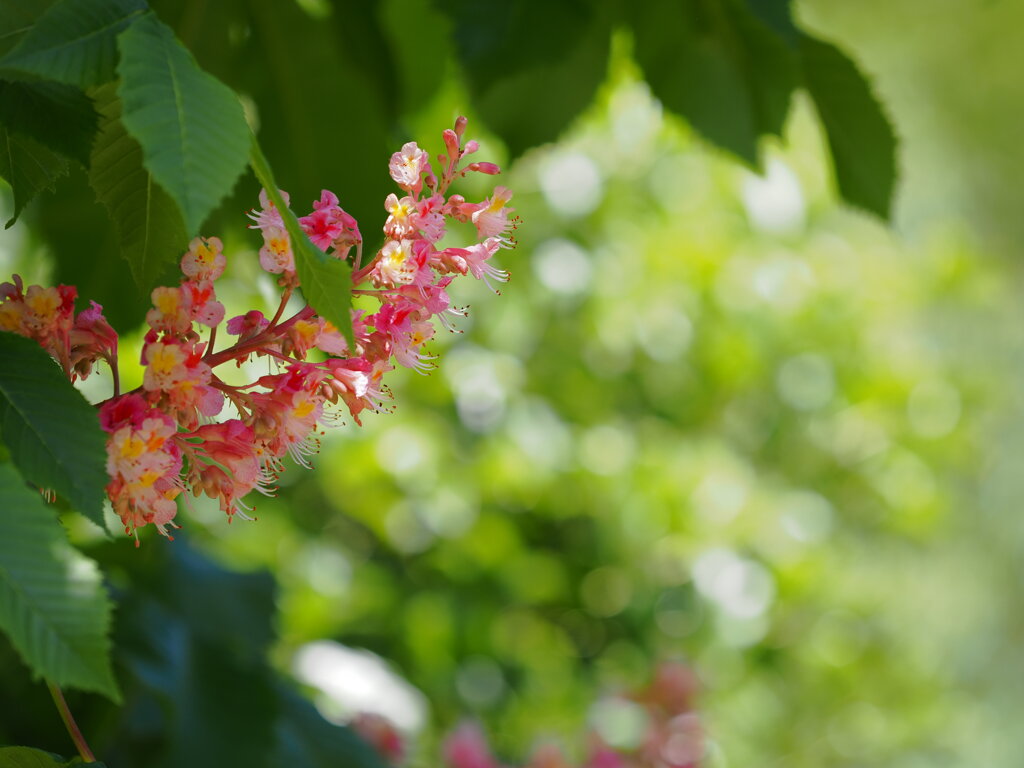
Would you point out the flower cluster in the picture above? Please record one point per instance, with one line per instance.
(671, 736)
(47, 315)
(165, 437)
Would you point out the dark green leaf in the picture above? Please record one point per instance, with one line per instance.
(554, 67)
(336, 130)
(149, 225)
(305, 738)
(718, 66)
(28, 167)
(80, 235)
(326, 282)
(52, 603)
(860, 137)
(74, 41)
(56, 115)
(777, 15)
(16, 19)
(418, 77)
(27, 757)
(191, 127)
(53, 434)
(194, 641)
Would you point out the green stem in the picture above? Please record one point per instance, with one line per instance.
(70, 724)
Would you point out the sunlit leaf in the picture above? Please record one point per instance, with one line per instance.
(191, 127)
(326, 282)
(52, 602)
(74, 41)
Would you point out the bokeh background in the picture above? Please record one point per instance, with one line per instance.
(715, 416)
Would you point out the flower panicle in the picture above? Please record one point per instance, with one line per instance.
(187, 431)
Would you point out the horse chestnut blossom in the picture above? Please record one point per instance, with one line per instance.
(186, 430)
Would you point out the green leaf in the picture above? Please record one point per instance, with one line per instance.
(326, 282)
(193, 639)
(52, 602)
(79, 234)
(555, 67)
(59, 116)
(53, 434)
(16, 18)
(28, 167)
(337, 129)
(27, 757)
(860, 137)
(149, 225)
(191, 127)
(305, 738)
(74, 41)
(777, 15)
(720, 67)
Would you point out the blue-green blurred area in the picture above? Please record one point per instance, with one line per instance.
(714, 416)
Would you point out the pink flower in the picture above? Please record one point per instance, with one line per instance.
(303, 335)
(204, 260)
(225, 464)
(408, 166)
(204, 307)
(268, 216)
(177, 375)
(92, 338)
(466, 747)
(476, 258)
(321, 227)
(399, 223)
(143, 462)
(398, 264)
(248, 325)
(284, 418)
(491, 216)
(172, 310)
(382, 735)
(276, 254)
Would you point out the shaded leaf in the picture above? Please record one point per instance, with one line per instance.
(860, 137)
(326, 281)
(305, 738)
(417, 77)
(194, 639)
(52, 603)
(336, 129)
(79, 234)
(549, 72)
(74, 41)
(718, 66)
(53, 434)
(28, 167)
(777, 14)
(191, 127)
(58, 116)
(16, 19)
(27, 757)
(149, 224)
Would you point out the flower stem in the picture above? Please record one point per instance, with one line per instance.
(70, 724)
